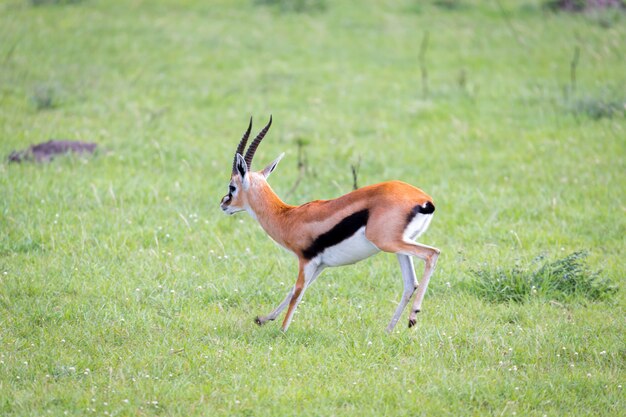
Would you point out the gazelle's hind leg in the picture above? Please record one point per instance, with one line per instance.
(410, 284)
(429, 255)
(400, 241)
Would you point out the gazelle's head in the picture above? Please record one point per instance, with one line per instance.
(242, 178)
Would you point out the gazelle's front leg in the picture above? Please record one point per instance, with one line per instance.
(261, 320)
(307, 272)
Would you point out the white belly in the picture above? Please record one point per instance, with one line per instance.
(351, 250)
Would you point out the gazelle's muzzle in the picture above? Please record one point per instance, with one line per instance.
(225, 204)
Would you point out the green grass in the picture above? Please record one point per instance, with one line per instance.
(568, 279)
(125, 291)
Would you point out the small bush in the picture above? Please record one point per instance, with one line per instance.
(565, 279)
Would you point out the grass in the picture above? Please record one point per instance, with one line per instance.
(125, 291)
(598, 109)
(565, 279)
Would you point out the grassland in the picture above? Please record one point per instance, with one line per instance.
(125, 291)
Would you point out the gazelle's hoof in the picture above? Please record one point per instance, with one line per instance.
(258, 321)
(412, 322)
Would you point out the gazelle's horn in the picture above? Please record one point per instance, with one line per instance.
(255, 144)
(242, 144)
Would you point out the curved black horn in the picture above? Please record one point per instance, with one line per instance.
(242, 144)
(255, 144)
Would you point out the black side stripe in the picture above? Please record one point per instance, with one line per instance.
(427, 208)
(340, 232)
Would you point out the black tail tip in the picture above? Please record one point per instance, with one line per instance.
(427, 208)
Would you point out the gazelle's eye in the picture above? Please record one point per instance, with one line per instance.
(231, 189)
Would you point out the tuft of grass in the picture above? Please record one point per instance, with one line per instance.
(583, 5)
(564, 279)
(449, 4)
(605, 14)
(599, 108)
(295, 6)
(52, 2)
(43, 97)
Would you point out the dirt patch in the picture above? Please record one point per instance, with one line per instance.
(44, 152)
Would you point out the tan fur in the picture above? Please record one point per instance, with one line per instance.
(295, 227)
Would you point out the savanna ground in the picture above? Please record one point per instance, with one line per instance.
(125, 291)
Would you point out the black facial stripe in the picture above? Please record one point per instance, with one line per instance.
(427, 208)
(340, 232)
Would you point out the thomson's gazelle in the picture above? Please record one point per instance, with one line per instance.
(383, 217)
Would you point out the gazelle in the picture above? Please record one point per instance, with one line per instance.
(382, 217)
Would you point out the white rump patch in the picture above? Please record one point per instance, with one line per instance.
(417, 226)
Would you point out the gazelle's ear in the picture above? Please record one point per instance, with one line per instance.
(268, 169)
(242, 170)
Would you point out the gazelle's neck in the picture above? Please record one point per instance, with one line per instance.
(269, 210)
